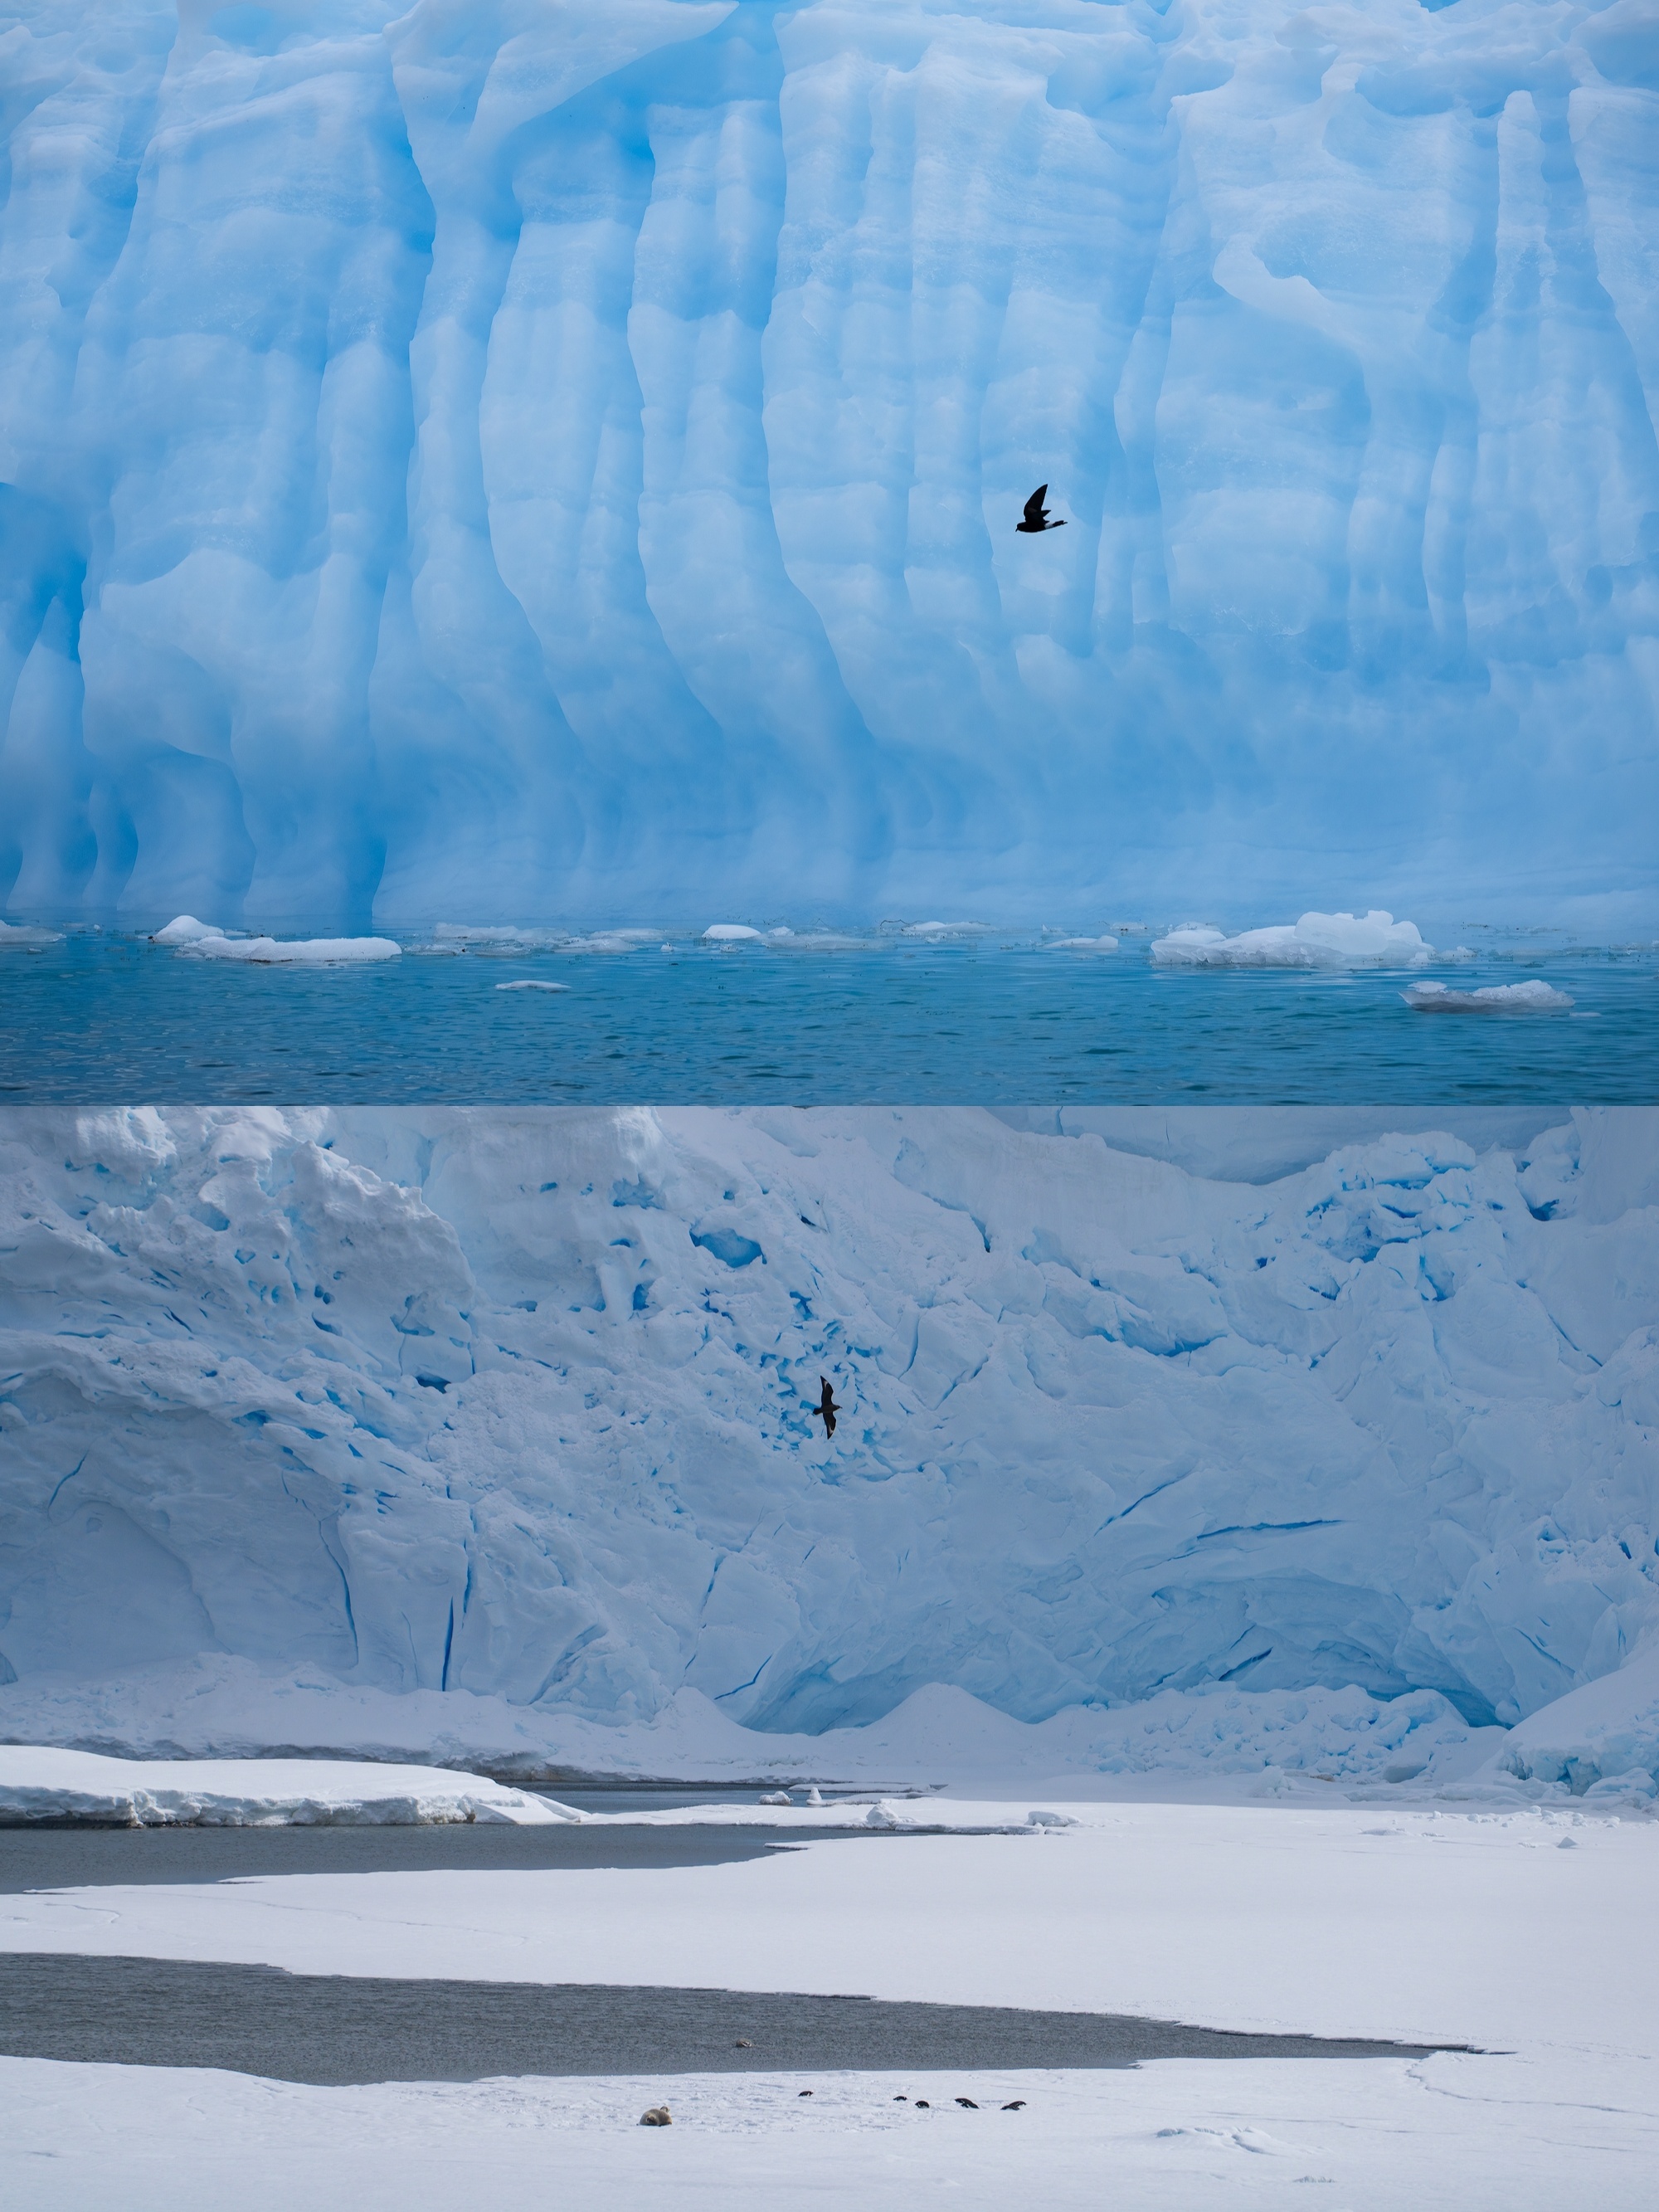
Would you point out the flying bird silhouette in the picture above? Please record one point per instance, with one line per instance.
(826, 1409)
(1036, 514)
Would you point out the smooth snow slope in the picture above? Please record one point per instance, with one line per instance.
(535, 457)
(518, 1403)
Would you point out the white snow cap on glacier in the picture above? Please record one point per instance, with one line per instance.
(422, 493)
(510, 1412)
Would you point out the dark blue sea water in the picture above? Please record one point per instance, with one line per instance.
(102, 1017)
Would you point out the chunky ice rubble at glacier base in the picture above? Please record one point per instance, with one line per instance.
(541, 458)
(308, 1414)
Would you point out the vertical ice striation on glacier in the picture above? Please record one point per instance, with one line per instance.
(534, 457)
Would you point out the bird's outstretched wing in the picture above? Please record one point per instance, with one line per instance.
(1034, 505)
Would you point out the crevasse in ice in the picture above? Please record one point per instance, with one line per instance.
(516, 1403)
(516, 458)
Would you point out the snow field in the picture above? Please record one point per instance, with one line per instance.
(1449, 2134)
(1333, 1920)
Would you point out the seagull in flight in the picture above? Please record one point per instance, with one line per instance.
(1036, 514)
(826, 1409)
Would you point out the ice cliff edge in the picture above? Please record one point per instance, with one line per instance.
(544, 457)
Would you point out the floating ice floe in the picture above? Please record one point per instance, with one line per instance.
(1317, 940)
(945, 929)
(295, 952)
(21, 933)
(185, 929)
(1534, 997)
(1083, 945)
(731, 932)
(457, 935)
(611, 940)
(41, 1784)
(528, 983)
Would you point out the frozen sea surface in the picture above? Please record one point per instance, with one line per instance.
(98, 1016)
(1317, 1921)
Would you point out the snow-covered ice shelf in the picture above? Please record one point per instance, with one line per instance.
(516, 459)
(42, 1784)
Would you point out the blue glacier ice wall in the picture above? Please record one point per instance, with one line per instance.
(558, 458)
(516, 1403)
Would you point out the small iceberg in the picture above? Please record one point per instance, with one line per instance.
(612, 940)
(1534, 997)
(731, 932)
(528, 983)
(20, 933)
(295, 952)
(1317, 940)
(460, 933)
(484, 933)
(185, 929)
(1082, 944)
